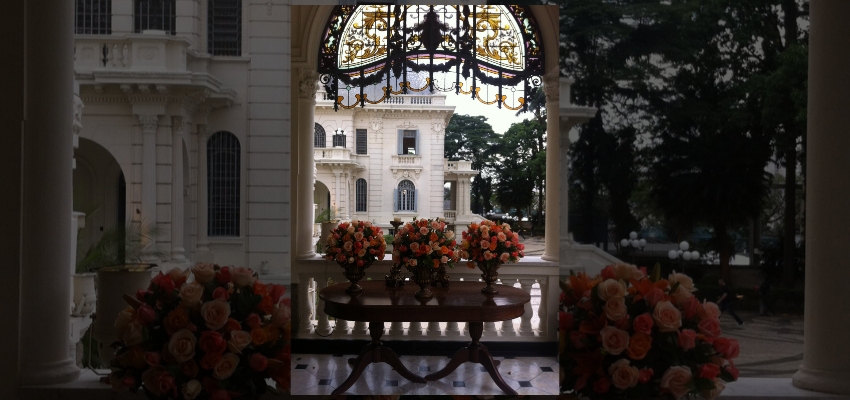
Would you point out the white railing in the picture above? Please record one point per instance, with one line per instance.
(332, 153)
(457, 165)
(398, 99)
(407, 160)
(450, 215)
(538, 324)
(132, 52)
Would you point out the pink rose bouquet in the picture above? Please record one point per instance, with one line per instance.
(626, 335)
(220, 335)
(355, 242)
(426, 243)
(489, 244)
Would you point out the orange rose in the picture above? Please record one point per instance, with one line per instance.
(232, 325)
(259, 336)
(639, 345)
(176, 320)
(266, 305)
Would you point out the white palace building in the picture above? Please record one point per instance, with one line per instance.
(205, 118)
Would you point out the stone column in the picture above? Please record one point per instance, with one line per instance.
(150, 122)
(203, 246)
(304, 203)
(180, 126)
(553, 155)
(826, 366)
(46, 198)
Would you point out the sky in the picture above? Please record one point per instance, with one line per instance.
(499, 119)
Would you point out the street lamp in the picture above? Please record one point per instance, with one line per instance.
(683, 253)
(633, 242)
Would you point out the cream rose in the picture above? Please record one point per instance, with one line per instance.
(225, 366)
(683, 280)
(191, 389)
(667, 317)
(204, 272)
(281, 315)
(610, 289)
(190, 294)
(123, 321)
(681, 295)
(238, 341)
(450, 235)
(135, 334)
(615, 309)
(614, 340)
(628, 271)
(215, 313)
(242, 276)
(623, 376)
(182, 345)
(676, 380)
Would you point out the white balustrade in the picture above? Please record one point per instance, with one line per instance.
(450, 215)
(135, 52)
(332, 154)
(534, 276)
(407, 160)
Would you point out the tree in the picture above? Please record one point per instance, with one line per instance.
(472, 138)
(523, 165)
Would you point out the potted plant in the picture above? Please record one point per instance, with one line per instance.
(329, 219)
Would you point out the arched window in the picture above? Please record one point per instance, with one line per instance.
(155, 15)
(224, 27)
(339, 138)
(405, 196)
(93, 17)
(319, 140)
(360, 193)
(491, 53)
(223, 153)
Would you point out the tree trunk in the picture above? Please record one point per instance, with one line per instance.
(789, 244)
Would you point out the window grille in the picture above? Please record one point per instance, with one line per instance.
(339, 139)
(155, 15)
(93, 17)
(405, 196)
(223, 153)
(224, 27)
(361, 141)
(319, 140)
(360, 193)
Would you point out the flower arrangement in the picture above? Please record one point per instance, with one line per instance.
(220, 336)
(355, 242)
(490, 245)
(629, 336)
(425, 242)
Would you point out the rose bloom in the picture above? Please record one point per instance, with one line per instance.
(623, 376)
(135, 334)
(684, 281)
(709, 310)
(189, 368)
(602, 385)
(608, 273)
(191, 389)
(645, 375)
(212, 342)
(708, 371)
(450, 235)
(190, 294)
(176, 320)
(182, 345)
(242, 277)
(676, 380)
(611, 289)
(358, 236)
(281, 315)
(504, 257)
(122, 322)
(152, 358)
(220, 293)
(643, 323)
(627, 272)
(687, 339)
(215, 313)
(667, 317)
(347, 246)
(710, 327)
(614, 340)
(158, 381)
(690, 307)
(639, 345)
(259, 336)
(204, 272)
(238, 341)
(258, 362)
(145, 314)
(681, 295)
(423, 231)
(225, 366)
(615, 308)
(178, 276)
(210, 360)
(729, 348)
(654, 296)
(718, 388)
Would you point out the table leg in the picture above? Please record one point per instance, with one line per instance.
(477, 353)
(375, 352)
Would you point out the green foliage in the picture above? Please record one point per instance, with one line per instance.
(389, 239)
(472, 138)
(523, 165)
(329, 214)
(120, 245)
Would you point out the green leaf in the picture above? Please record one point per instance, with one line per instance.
(656, 273)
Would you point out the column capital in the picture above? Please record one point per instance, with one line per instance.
(551, 87)
(149, 122)
(308, 84)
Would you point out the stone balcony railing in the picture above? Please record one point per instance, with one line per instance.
(457, 166)
(332, 154)
(152, 51)
(404, 160)
(537, 324)
(450, 215)
(398, 99)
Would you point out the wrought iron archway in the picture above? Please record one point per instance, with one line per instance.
(372, 52)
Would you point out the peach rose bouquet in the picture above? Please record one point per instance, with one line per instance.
(206, 332)
(490, 245)
(425, 243)
(626, 335)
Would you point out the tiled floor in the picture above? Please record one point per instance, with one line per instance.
(320, 374)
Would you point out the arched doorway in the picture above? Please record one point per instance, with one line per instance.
(99, 191)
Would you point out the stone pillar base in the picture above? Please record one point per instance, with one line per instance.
(49, 373)
(822, 381)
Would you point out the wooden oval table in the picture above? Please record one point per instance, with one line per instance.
(460, 302)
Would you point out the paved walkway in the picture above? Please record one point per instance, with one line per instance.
(771, 347)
